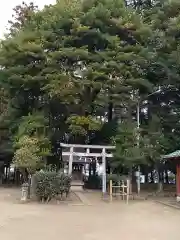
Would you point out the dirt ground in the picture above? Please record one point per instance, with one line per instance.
(143, 220)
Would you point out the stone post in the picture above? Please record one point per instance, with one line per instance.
(24, 192)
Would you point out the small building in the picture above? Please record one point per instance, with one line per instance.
(175, 157)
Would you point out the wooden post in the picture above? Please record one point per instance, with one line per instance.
(110, 190)
(123, 190)
(128, 191)
(70, 161)
(178, 181)
(104, 171)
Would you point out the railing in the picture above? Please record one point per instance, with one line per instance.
(122, 189)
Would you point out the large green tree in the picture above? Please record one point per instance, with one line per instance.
(76, 58)
(83, 65)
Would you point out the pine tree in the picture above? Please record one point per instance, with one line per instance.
(130, 149)
(21, 16)
(84, 65)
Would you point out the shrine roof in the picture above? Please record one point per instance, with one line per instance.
(175, 154)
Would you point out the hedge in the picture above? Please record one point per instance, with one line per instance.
(51, 184)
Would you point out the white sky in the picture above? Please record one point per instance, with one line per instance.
(7, 6)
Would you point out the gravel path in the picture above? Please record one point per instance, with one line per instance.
(137, 221)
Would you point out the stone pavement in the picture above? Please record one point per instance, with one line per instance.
(143, 220)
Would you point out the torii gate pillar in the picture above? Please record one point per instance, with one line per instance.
(104, 171)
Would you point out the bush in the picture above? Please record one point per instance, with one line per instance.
(116, 178)
(50, 184)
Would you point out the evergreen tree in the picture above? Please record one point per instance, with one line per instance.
(130, 149)
(21, 16)
(83, 65)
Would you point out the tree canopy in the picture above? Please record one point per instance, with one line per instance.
(74, 72)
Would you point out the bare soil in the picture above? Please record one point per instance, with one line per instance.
(140, 220)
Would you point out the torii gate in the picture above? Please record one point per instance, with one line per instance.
(88, 153)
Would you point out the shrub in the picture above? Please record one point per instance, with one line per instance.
(50, 184)
(26, 158)
(30, 153)
(116, 178)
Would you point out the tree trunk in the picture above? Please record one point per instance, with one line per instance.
(94, 168)
(160, 181)
(160, 186)
(146, 176)
(130, 178)
(110, 111)
(166, 176)
(30, 185)
(152, 177)
(33, 186)
(24, 176)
